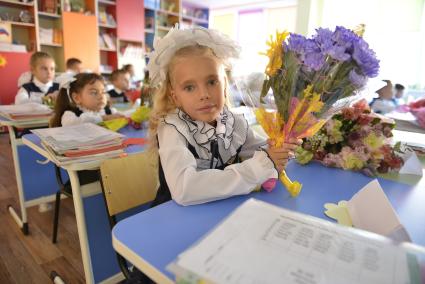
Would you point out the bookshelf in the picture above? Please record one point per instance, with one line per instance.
(161, 15)
(50, 36)
(75, 28)
(19, 21)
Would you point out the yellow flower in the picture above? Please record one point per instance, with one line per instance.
(3, 61)
(275, 52)
(352, 162)
(373, 141)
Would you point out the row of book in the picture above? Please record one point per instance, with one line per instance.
(80, 143)
(68, 144)
(25, 112)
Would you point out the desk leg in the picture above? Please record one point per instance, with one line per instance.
(81, 225)
(22, 222)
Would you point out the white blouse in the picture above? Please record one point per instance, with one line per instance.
(22, 97)
(189, 179)
(70, 118)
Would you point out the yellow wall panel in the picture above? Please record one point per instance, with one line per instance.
(80, 38)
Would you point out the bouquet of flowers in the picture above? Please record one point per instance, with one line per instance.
(309, 79)
(140, 115)
(353, 139)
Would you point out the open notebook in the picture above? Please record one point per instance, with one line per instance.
(262, 243)
(27, 111)
(80, 143)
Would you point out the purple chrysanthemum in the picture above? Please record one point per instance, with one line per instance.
(366, 59)
(323, 39)
(357, 80)
(297, 43)
(345, 38)
(314, 60)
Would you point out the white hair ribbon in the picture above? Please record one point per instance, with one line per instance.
(177, 38)
(66, 84)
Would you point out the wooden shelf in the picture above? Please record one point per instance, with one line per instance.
(107, 49)
(106, 2)
(49, 15)
(149, 31)
(16, 3)
(106, 26)
(51, 44)
(20, 24)
(201, 21)
(168, 12)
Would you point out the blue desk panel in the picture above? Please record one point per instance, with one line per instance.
(158, 235)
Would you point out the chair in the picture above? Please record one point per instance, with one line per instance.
(86, 177)
(127, 183)
(65, 189)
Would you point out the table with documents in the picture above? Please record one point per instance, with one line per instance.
(262, 243)
(153, 239)
(36, 182)
(98, 256)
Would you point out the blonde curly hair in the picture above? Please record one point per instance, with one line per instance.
(163, 103)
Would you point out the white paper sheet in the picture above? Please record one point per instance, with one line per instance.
(370, 210)
(412, 165)
(261, 243)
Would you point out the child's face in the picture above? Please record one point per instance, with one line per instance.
(399, 93)
(197, 87)
(44, 71)
(122, 82)
(91, 97)
(76, 68)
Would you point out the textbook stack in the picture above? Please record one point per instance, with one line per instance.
(24, 112)
(80, 143)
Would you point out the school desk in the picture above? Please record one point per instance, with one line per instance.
(154, 238)
(99, 259)
(36, 183)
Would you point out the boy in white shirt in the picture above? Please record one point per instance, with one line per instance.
(73, 67)
(385, 102)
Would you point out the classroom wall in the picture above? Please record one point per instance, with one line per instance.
(17, 63)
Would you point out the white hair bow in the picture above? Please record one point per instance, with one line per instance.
(66, 84)
(177, 38)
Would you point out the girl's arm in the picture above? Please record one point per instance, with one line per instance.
(253, 142)
(190, 186)
(22, 97)
(69, 118)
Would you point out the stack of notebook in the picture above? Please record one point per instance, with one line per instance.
(28, 111)
(80, 143)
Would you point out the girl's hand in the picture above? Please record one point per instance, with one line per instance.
(112, 116)
(281, 155)
(52, 96)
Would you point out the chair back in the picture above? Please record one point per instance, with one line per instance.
(129, 181)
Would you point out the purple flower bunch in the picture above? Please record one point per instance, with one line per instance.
(327, 50)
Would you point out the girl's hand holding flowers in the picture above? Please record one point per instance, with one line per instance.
(281, 155)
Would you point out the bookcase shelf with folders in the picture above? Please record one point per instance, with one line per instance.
(18, 24)
(123, 28)
(162, 15)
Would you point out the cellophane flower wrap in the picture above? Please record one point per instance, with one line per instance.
(354, 139)
(309, 78)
